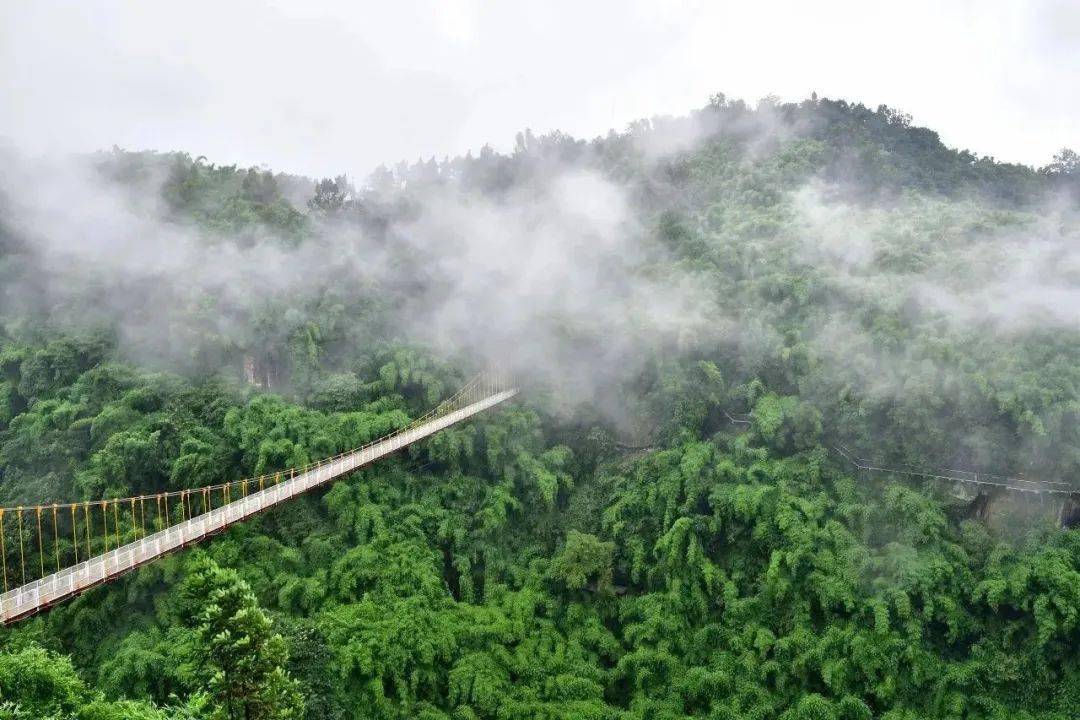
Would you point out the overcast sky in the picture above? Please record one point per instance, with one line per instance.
(324, 88)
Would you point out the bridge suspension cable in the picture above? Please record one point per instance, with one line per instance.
(96, 540)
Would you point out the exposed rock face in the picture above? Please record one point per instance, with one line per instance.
(1070, 512)
(260, 372)
(965, 492)
(249, 370)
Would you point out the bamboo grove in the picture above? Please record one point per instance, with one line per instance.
(699, 311)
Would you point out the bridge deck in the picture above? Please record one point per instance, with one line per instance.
(51, 589)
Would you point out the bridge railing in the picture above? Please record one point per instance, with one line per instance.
(1012, 484)
(482, 392)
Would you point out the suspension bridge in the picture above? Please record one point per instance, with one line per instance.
(89, 543)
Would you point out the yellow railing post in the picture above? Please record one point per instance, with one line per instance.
(105, 521)
(22, 553)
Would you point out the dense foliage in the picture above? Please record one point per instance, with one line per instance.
(627, 553)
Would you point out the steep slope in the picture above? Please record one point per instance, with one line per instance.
(613, 546)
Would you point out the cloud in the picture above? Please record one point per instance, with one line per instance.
(1028, 279)
(329, 87)
(546, 279)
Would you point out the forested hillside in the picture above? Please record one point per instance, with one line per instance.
(610, 545)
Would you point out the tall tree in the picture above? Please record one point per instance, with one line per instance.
(240, 658)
